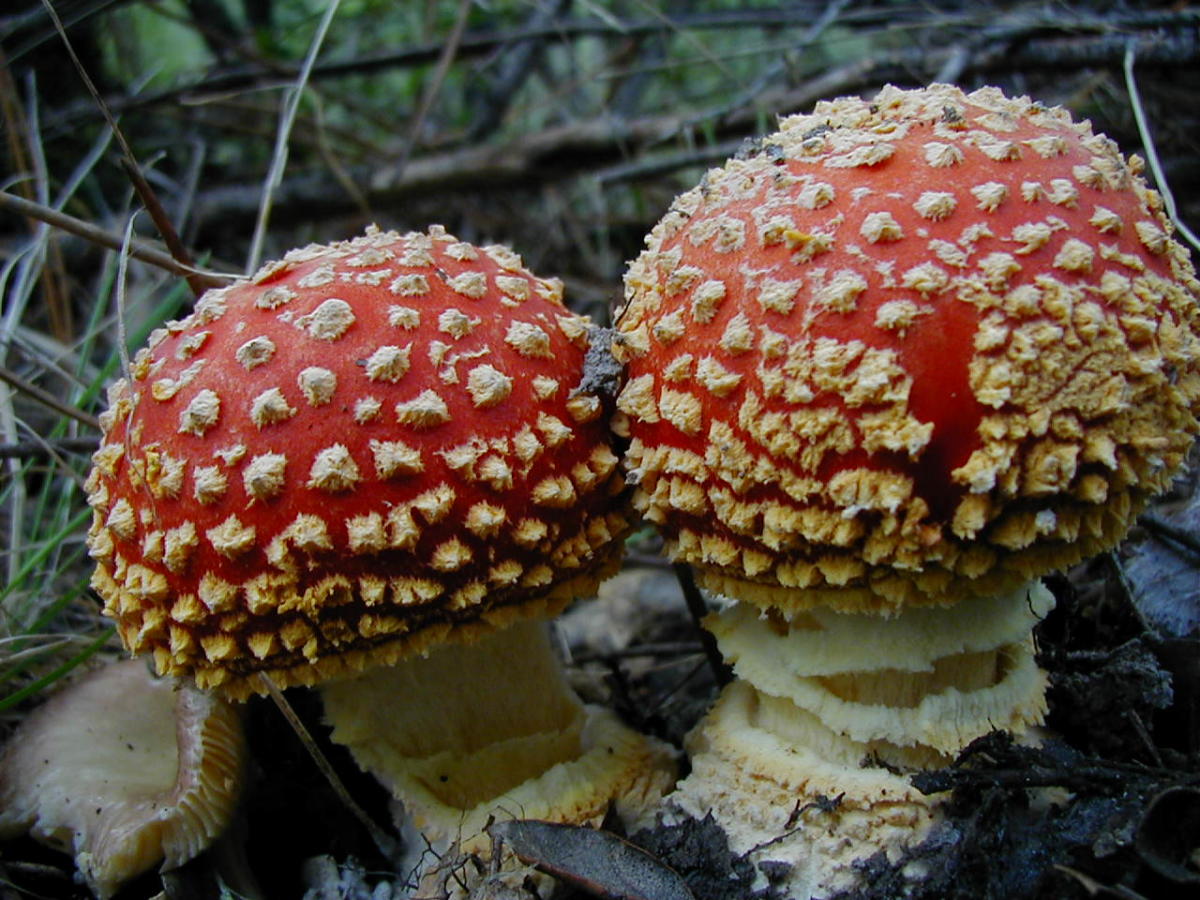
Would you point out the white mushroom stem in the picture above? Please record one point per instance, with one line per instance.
(491, 729)
(124, 770)
(927, 677)
(835, 705)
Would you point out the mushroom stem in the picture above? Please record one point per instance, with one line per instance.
(841, 705)
(492, 729)
(927, 677)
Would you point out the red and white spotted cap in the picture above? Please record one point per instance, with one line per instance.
(929, 343)
(364, 449)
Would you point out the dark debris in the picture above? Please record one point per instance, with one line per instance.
(698, 850)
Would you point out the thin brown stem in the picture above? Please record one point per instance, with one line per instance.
(129, 162)
(47, 399)
(384, 842)
(96, 235)
(722, 674)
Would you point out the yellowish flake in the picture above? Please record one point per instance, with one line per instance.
(682, 279)
(231, 538)
(188, 609)
(555, 491)
(365, 533)
(538, 576)
(574, 328)
(456, 323)
(513, 287)
(462, 251)
(881, 227)
(678, 370)
(255, 352)
(264, 477)
(738, 337)
(940, 155)
(426, 410)
(434, 503)
(1074, 256)
(218, 595)
(201, 413)
(318, 277)
(926, 278)
(935, 205)
(275, 297)
(989, 195)
(505, 574)
(1047, 146)
(485, 519)
(218, 647)
(526, 444)
(637, 399)
(552, 429)
(208, 484)
(998, 269)
(450, 555)
(1032, 236)
(995, 148)
(681, 409)
(841, 293)
(774, 230)
(122, 520)
(1153, 237)
(530, 532)
(778, 296)
(178, 544)
(389, 363)
(1063, 192)
(861, 156)
(367, 409)
(270, 407)
(317, 384)
(706, 299)
(488, 386)
(329, 321)
(403, 530)
(469, 284)
(1106, 221)
(584, 408)
(334, 470)
(529, 340)
(669, 328)
(369, 256)
(404, 316)
(898, 315)
(815, 195)
(716, 378)
(395, 458)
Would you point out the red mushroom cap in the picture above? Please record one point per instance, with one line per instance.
(928, 343)
(362, 448)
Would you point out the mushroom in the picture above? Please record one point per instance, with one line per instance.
(885, 369)
(124, 770)
(369, 456)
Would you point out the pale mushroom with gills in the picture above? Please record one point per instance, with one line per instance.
(885, 369)
(371, 456)
(125, 771)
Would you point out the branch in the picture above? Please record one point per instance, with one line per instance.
(594, 145)
(102, 238)
(476, 44)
